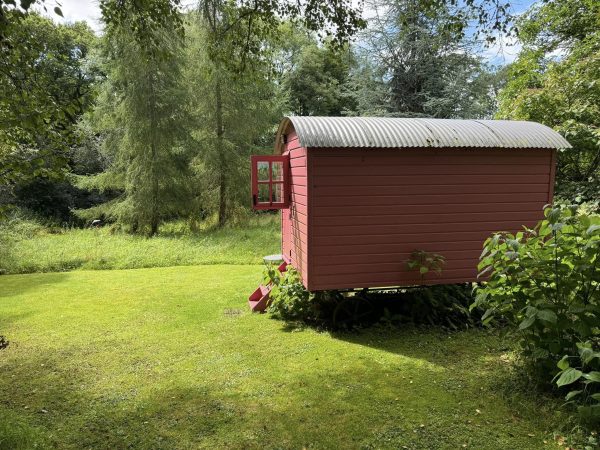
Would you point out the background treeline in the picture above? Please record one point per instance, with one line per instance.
(156, 118)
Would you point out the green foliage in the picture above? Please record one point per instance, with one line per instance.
(581, 373)
(289, 299)
(26, 245)
(232, 116)
(45, 86)
(561, 91)
(319, 81)
(426, 262)
(545, 282)
(441, 305)
(151, 18)
(142, 114)
(428, 66)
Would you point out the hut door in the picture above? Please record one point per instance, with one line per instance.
(270, 182)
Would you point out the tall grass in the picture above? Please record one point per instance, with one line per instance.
(27, 247)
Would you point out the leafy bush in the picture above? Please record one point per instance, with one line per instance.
(582, 372)
(442, 305)
(426, 262)
(289, 299)
(445, 305)
(545, 282)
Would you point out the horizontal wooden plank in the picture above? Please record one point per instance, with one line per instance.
(419, 180)
(484, 188)
(355, 162)
(299, 189)
(432, 208)
(349, 284)
(298, 162)
(412, 238)
(417, 199)
(292, 144)
(381, 279)
(300, 219)
(388, 257)
(298, 172)
(390, 219)
(414, 228)
(393, 267)
(299, 207)
(300, 199)
(446, 172)
(298, 152)
(293, 213)
(344, 250)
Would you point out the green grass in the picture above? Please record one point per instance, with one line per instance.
(170, 358)
(38, 249)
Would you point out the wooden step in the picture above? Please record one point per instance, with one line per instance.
(259, 300)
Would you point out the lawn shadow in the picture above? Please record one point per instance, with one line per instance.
(13, 285)
(59, 404)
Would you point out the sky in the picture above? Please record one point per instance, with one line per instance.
(89, 10)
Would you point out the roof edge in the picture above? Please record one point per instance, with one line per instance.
(366, 132)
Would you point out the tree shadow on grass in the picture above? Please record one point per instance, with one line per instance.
(346, 402)
(14, 285)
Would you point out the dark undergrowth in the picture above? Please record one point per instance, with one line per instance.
(445, 306)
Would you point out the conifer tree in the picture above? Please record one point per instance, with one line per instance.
(141, 112)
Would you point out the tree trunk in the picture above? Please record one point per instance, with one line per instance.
(154, 213)
(220, 150)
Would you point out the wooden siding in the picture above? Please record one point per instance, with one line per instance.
(294, 220)
(370, 208)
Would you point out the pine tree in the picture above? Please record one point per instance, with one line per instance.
(142, 112)
(233, 117)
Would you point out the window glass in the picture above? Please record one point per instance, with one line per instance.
(263, 193)
(263, 170)
(277, 193)
(277, 168)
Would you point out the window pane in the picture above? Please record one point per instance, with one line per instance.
(277, 192)
(263, 193)
(263, 171)
(277, 167)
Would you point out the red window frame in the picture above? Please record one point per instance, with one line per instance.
(257, 202)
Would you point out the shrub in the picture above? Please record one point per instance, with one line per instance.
(289, 299)
(545, 282)
(442, 305)
(582, 372)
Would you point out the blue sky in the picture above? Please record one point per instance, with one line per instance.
(89, 10)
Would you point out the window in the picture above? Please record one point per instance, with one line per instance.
(270, 182)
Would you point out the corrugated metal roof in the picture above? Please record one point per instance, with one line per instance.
(407, 132)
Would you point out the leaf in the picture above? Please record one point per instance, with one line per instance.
(568, 376)
(572, 394)
(488, 313)
(596, 396)
(423, 270)
(527, 322)
(547, 315)
(563, 364)
(58, 11)
(592, 376)
(592, 229)
(587, 354)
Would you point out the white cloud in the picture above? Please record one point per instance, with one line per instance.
(503, 51)
(75, 11)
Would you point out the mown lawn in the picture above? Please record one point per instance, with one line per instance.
(41, 250)
(171, 358)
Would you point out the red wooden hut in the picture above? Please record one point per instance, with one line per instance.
(359, 195)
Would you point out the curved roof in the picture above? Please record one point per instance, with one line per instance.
(385, 132)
